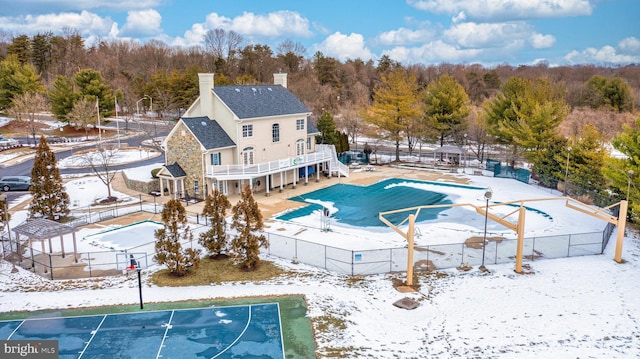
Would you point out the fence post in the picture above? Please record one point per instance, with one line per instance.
(569, 246)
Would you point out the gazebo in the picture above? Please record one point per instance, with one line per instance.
(40, 229)
(451, 154)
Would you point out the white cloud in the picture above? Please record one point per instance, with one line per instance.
(540, 41)
(604, 55)
(143, 23)
(436, 51)
(275, 24)
(85, 22)
(344, 47)
(474, 35)
(630, 45)
(404, 36)
(506, 9)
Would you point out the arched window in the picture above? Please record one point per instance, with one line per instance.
(247, 155)
(275, 132)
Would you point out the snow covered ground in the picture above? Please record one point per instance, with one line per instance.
(584, 307)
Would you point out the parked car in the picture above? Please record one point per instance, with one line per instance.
(15, 183)
(9, 142)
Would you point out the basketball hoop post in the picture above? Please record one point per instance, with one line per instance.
(140, 286)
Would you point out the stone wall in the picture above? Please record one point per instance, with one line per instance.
(141, 186)
(183, 148)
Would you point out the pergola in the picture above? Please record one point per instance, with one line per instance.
(449, 153)
(40, 229)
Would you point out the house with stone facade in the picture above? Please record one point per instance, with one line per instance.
(234, 135)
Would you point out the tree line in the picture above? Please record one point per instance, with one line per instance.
(522, 109)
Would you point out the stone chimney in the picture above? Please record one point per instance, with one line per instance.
(206, 98)
(280, 79)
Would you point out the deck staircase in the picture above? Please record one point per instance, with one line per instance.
(334, 164)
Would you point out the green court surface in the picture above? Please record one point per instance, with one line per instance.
(258, 328)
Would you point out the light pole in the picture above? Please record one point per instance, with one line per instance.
(138, 107)
(487, 196)
(566, 172)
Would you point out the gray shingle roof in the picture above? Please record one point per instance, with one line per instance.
(208, 132)
(251, 101)
(175, 170)
(311, 128)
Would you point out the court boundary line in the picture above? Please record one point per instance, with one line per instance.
(280, 328)
(93, 335)
(239, 336)
(164, 337)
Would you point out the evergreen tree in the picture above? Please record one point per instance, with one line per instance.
(396, 107)
(215, 208)
(169, 250)
(5, 216)
(16, 79)
(247, 220)
(62, 97)
(327, 127)
(526, 115)
(447, 107)
(586, 162)
(624, 173)
(91, 85)
(49, 197)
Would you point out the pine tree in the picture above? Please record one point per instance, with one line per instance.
(247, 220)
(5, 216)
(50, 200)
(168, 247)
(215, 209)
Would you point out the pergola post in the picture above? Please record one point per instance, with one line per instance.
(62, 245)
(622, 222)
(75, 248)
(520, 233)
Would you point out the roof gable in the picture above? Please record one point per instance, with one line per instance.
(251, 101)
(208, 132)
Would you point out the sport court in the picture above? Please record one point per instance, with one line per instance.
(252, 331)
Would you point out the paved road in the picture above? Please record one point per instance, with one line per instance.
(146, 131)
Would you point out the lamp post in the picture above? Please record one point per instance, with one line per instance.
(150, 103)
(487, 196)
(566, 172)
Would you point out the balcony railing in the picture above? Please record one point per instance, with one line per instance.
(261, 169)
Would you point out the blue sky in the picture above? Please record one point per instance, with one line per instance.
(489, 32)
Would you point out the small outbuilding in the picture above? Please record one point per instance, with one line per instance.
(41, 229)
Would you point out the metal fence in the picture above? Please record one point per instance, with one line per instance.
(437, 256)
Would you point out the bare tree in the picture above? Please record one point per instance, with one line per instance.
(100, 162)
(83, 115)
(27, 107)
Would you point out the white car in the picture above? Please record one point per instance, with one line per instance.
(8, 142)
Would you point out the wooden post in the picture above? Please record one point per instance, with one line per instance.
(410, 234)
(622, 222)
(520, 232)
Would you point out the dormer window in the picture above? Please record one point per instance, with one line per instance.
(275, 132)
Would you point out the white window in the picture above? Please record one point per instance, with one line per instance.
(216, 159)
(275, 132)
(247, 130)
(247, 155)
(309, 143)
(196, 187)
(299, 147)
(299, 125)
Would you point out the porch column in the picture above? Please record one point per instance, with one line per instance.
(294, 177)
(75, 248)
(267, 185)
(62, 245)
(281, 181)
(317, 172)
